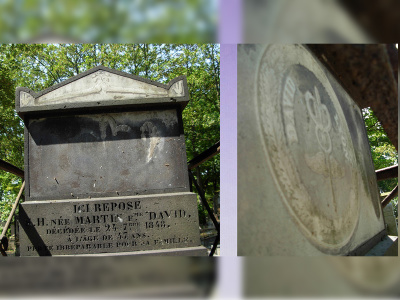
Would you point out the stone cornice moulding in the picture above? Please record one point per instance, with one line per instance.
(102, 87)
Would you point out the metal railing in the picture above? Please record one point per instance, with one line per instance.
(195, 162)
(5, 166)
(3, 238)
(388, 173)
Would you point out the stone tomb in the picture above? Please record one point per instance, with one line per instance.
(106, 168)
(306, 181)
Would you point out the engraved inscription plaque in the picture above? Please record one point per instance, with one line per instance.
(309, 146)
(120, 224)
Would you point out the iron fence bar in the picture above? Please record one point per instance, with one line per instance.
(204, 156)
(204, 201)
(190, 184)
(389, 197)
(3, 234)
(387, 173)
(210, 213)
(3, 246)
(11, 168)
(198, 160)
(214, 247)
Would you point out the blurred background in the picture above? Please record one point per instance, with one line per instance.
(108, 277)
(321, 277)
(326, 21)
(197, 21)
(74, 21)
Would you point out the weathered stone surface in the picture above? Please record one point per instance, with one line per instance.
(306, 180)
(99, 87)
(109, 225)
(106, 168)
(108, 154)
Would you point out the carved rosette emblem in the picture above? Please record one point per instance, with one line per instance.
(308, 146)
(101, 79)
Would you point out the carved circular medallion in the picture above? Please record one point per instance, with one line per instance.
(308, 146)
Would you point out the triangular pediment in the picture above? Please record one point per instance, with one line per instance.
(105, 87)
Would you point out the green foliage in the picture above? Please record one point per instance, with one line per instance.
(39, 66)
(109, 21)
(202, 214)
(384, 154)
(11, 143)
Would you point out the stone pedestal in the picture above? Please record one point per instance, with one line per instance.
(105, 168)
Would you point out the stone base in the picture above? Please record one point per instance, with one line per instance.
(192, 251)
(163, 222)
(386, 247)
(364, 248)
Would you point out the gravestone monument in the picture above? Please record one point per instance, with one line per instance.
(106, 168)
(306, 181)
(390, 220)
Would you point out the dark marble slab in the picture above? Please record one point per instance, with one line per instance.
(108, 154)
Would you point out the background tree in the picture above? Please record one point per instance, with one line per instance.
(150, 21)
(384, 154)
(39, 66)
(11, 141)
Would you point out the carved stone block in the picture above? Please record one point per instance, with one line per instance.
(106, 168)
(109, 225)
(306, 184)
(109, 154)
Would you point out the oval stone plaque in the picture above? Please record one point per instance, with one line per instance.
(308, 146)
